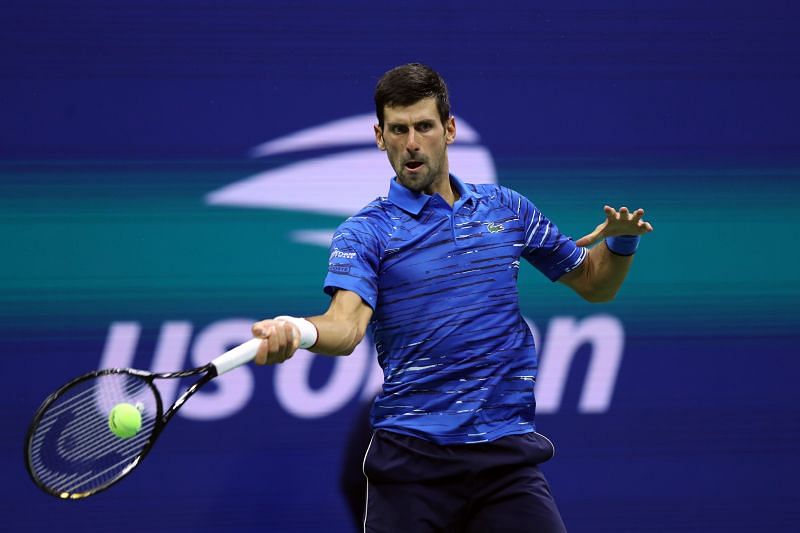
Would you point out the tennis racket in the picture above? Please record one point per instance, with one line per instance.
(70, 451)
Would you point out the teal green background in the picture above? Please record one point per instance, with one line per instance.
(89, 239)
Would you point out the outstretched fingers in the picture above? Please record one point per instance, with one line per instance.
(622, 222)
(641, 225)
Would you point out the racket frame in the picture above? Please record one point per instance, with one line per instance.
(208, 371)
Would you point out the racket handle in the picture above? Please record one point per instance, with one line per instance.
(235, 357)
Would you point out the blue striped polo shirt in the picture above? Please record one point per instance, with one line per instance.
(458, 359)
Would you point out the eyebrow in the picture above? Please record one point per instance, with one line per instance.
(420, 121)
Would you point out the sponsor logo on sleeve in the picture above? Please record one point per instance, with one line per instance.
(338, 268)
(347, 253)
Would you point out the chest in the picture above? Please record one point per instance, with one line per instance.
(443, 248)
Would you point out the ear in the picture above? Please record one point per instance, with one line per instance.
(379, 137)
(450, 130)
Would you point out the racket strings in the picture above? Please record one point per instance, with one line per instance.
(80, 407)
(73, 451)
(65, 404)
(80, 483)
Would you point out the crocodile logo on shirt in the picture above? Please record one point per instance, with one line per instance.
(494, 228)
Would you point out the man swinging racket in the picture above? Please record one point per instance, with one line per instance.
(432, 268)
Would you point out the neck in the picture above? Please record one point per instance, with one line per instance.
(444, 188)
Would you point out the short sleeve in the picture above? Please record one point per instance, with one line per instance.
(354, 260)
(545, 247)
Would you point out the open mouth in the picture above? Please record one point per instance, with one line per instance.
(413, 165)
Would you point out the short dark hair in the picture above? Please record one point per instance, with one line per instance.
(408, 84)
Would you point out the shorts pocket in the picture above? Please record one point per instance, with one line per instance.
(541, 448)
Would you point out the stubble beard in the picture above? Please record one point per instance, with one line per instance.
(418, 182)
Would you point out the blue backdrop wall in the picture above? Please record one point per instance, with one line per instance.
(171, 171)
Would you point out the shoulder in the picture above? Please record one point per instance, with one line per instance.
(500, 195)
(378, 212)
(371, 221)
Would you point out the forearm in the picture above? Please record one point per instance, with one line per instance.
(601, 275)
(604, 273)
(337, 332)
(343, 325)
(335, 336)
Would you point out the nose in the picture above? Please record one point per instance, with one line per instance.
(411, 141)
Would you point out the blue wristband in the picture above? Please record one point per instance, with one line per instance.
(623, 244)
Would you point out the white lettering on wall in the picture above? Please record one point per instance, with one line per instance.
(233, 389)
(565, 336)
(295, 394)
(173, 341)
(357, 376)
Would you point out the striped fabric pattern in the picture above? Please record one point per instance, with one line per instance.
(459, 361)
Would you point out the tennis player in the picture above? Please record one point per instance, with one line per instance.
(432, 269)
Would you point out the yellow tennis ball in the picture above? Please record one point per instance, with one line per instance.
(125, 420)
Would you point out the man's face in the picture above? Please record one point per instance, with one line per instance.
(416, 142)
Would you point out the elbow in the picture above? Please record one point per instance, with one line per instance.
(347, 350)
(338, 351)
(598, 296)
(344, 349)
(593, 286)
(354, 340)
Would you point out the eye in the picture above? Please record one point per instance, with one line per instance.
(397, 129)
(424, 126)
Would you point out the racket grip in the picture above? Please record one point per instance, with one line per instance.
(235, 357)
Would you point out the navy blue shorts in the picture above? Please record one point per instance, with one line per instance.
(414, 485)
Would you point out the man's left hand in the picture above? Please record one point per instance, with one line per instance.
(621, 222)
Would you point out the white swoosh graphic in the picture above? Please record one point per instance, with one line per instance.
(350, 131)
(338, 184)
(342, 183)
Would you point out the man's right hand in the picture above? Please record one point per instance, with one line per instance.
(280, 340)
